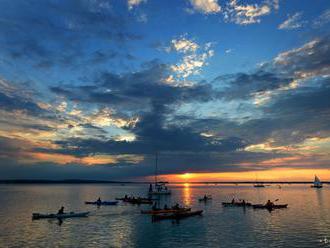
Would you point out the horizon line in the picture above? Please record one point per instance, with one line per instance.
(92, 181)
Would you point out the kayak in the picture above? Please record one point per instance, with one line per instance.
(263, 206)
(136, 200)
(59, 216)
(236, 204)
(176, 216)
(164, 211)
(102, 203)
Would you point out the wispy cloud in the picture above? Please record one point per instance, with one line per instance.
(293, 22)
(323, 19)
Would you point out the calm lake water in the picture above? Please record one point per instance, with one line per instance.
(306, 222)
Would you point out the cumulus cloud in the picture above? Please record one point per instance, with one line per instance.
(206, 6)
(194, 58)
(293, 22)
(248, 13)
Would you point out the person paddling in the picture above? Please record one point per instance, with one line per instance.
(98, 202)
(269, 204)
(61, 210)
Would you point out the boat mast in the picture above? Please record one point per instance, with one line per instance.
(156, 168)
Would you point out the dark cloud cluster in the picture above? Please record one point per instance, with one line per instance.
(310, 60)
(59, 33)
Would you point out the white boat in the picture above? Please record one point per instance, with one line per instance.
(317, 183)
(257, 184)
(159, 188)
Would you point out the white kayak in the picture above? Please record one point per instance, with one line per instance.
(59, 216)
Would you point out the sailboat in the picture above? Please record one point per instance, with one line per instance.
(159, 188)
(317, 183)
(257, 184)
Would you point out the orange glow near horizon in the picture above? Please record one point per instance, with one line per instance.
(287, 174)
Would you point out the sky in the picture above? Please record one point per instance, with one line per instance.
(222, 90)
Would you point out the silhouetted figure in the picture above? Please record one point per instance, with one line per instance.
(98, 201)
(233, 201)
(205, 197)
(243, 202)
(61, 210)
(150, 187)
(176, 206)
(165, 207)
(269, 204)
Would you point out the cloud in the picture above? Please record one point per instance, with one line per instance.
(194, 58)
(249, 13)
(206, 6)
(287, 71)
(183, 45)
(323, 19)
(134, 3)
(293, 22)
(63, 35)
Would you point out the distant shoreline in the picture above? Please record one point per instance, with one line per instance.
(82, 181)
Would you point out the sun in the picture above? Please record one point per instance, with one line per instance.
(186, 176)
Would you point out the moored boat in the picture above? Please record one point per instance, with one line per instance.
(36, 216)
(317, 183)
(159, 188)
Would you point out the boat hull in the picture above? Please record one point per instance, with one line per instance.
(106, 203)
(238, 204)
(176, 216)
(262, 206)
(163, 211)
(36, 216)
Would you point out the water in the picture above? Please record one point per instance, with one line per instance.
(306, 222)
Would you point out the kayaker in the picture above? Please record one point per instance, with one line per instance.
(269, 204)
(98, 201)
(176, 206)
(233, 201)
(61, 210)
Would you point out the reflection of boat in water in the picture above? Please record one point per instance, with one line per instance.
(159, 188)
(317, 183)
